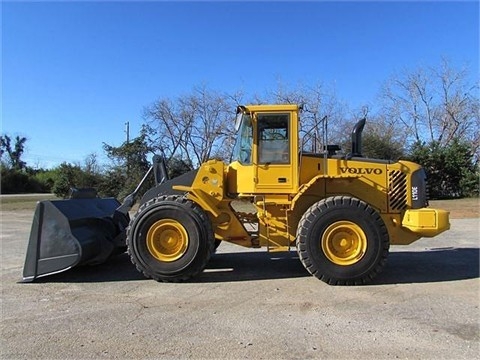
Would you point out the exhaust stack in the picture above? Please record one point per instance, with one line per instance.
(357, 139)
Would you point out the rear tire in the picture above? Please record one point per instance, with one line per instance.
(170, 239)
(342, 241)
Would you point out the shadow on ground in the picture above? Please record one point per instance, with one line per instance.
(224, 267)
(449, 264)
(436, 265)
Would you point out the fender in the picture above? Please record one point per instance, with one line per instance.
(303, 189)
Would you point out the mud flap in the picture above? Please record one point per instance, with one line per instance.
(67, 233)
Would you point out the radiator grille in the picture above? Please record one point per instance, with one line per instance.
(397, 190)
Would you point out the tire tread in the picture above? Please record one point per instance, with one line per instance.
(190, 206)
(315, 211)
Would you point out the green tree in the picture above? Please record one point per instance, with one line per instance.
(16, 176)
(378, 146)
(177, 166)
(68, 176)
(14, 154)
(382, 140)
(451, 169)
(129, 165)
(14, 181)
(45, 177)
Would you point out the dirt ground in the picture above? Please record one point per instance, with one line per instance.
(247, 304)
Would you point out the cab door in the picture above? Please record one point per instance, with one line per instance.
(276, 153)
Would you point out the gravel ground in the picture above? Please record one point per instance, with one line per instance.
(247, 304)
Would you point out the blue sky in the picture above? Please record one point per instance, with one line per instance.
(74, 72)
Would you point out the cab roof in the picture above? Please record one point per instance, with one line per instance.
(281, 107)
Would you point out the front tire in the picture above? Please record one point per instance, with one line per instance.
(170, 239)
(342, 241)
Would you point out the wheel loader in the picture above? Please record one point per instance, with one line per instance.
(340, 212)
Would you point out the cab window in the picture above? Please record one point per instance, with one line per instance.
(273, 142)
(242, 151)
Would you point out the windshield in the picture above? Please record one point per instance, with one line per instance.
(242, 151)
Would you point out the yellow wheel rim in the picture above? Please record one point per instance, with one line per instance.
(344, 243)
(167, 240)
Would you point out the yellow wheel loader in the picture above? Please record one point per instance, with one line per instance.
(340, 212)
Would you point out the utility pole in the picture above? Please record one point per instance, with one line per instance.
(127, 131)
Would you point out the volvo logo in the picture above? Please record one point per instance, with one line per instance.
(361, 171)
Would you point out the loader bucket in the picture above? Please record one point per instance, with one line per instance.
(67, 233)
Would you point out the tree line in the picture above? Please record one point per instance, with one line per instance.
(429, 115)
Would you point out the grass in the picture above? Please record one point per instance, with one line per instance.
(23, 201)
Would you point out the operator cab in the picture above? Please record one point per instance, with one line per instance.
(265, 158)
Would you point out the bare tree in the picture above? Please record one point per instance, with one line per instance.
(322, 111)
(168, 126)
(434, 104)
(91, 165)
(195, 127)
(458, 117)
